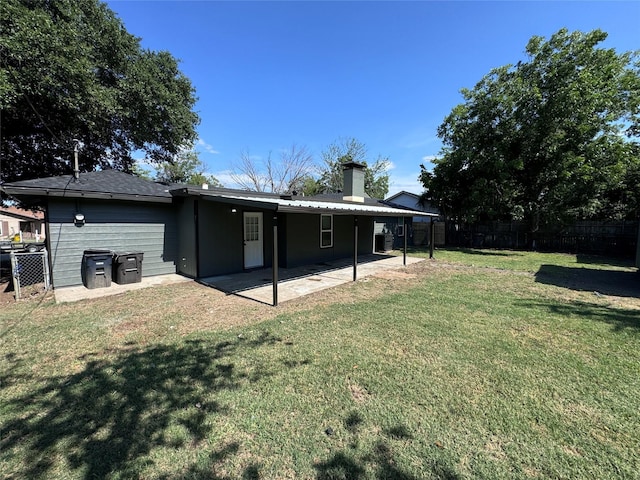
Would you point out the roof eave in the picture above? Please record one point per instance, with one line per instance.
(19, 192)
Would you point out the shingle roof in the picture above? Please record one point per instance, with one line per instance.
(102, 184)
(112, 184)
(19, 212)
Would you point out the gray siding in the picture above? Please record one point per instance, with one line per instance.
(112, 225)
(220, 238)
(303, 239)
(187, 257)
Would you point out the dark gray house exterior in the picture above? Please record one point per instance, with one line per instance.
(195, 231)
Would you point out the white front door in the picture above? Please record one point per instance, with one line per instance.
(253, 256)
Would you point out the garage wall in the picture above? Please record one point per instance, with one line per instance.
(111, 225)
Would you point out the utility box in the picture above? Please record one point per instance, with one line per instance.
(127, 267)
(384, 242)
(96, 268)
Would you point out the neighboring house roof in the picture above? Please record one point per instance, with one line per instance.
(21, 213)
(415, 199)
(102, 184)
(403, 192)
(112, 184)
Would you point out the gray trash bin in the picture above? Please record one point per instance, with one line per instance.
(96, 268)
(127, 267)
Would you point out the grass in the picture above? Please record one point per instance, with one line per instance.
(481, 367)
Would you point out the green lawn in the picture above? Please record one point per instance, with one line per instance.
(486, 365)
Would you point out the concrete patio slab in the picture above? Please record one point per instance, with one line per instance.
(297, 282)
(257, 284)
(73, 294)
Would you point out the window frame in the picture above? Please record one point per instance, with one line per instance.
(326, 230)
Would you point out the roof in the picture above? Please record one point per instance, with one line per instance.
(21, 213)
(403, 192)
(111, 184)
(116, 185)
(305, 204)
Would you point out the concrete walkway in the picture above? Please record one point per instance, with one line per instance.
(257, 284)
(297, 282)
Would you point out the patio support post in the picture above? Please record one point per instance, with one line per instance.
(406, 234)
(274, 260)
(355, 248)
(432, 235)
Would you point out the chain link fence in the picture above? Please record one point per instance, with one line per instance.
(30, 272)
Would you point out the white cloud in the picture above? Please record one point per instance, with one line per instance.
(429, 158)
(408, 183)
(206, 147)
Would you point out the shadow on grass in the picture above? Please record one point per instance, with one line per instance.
(604, 282)
(618, 318)
(487, 253)
(107, 418)
(602, 260)
(349, 465)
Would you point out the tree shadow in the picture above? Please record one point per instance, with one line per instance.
(601, 282)
(618, 318)
(486, 252)
(107, 418)
(602, 260)
(380, 460)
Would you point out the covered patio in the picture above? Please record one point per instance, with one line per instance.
(257, 284)
(296, 282)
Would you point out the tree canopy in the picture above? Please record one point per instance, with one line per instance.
(331, 176)
(550, 139)
(70, 70)
(187, 168)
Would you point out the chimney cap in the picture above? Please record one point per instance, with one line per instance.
(348, 165)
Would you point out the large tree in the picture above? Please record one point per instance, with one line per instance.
(549, 139)
(186, 167)
(285, 175)
(70, 70)
(344, 150)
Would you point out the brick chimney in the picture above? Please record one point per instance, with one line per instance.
(353, 189)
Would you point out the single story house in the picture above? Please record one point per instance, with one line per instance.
(16, 221)
(198, 232)
(391, 231)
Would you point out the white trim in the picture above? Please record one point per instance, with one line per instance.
(330, 230)
(253, 246)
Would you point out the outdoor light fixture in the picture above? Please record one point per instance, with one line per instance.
(78, 219)
(233, 210)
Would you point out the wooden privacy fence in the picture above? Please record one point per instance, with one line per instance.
(597, 237)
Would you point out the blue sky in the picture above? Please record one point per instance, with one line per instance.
(272, 74)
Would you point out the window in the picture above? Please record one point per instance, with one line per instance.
(400, 227)
(326, 231)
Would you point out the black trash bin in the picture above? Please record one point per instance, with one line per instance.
(96, 268)
(127, 267)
